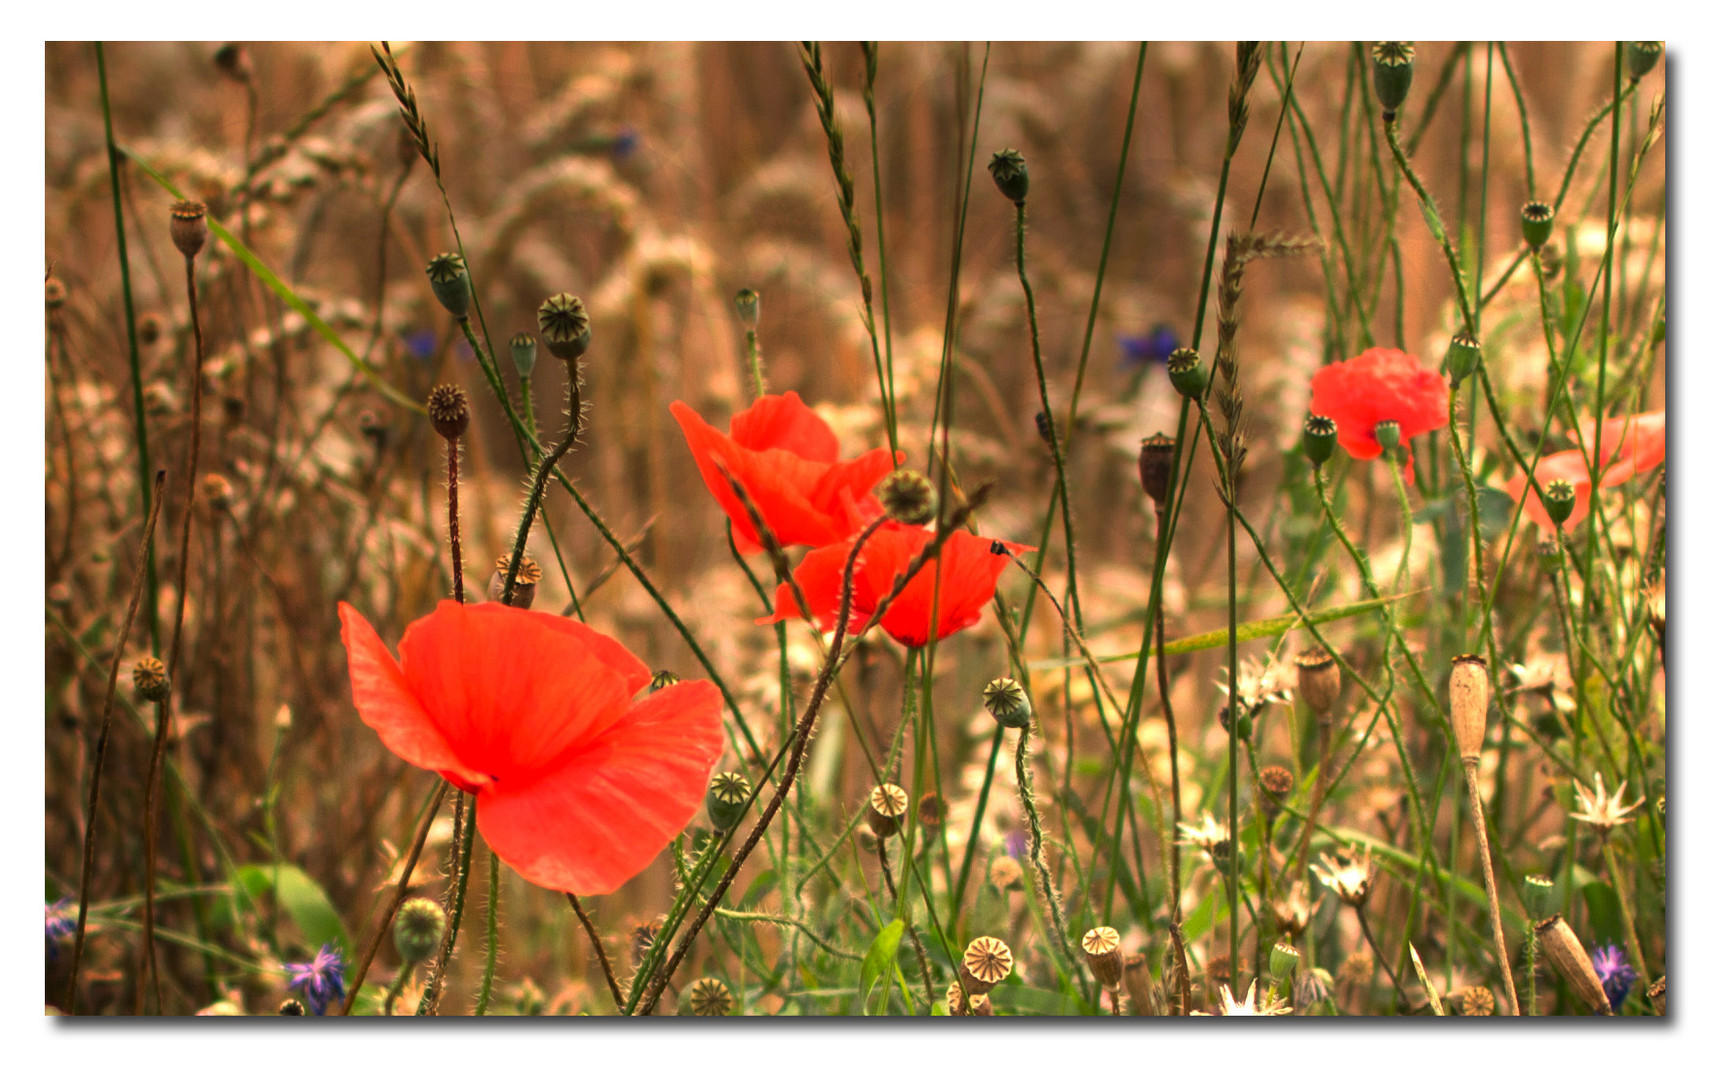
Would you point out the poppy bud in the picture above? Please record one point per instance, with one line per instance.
(1282, 961)
(710, 997)
(150, 679)
(189, 227)
(1537, 893)
(887, 805)
(417, 931)
(1187, 372)
(908, 497)
(1319, 680)
(1006, 701)
(1462, 357)
(1559, 500)
(564, 326)
(1549, 554)
(1641, 56)
(1319, 439)
(1470, 695)
(1010, 172)
(1393, 70)
(448, 412)
(1564, 950)
(727, 795)
(523, 353)
(1105, 959)
(749, 308)
(1388, 434)
(450, 280)
(523, 591)
(662, 679)
(986, 963)
(1537, 223)
(1156, 453)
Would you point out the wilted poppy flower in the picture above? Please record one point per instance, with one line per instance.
(577, 787)
(786, 458)
(1637, 443)
(1381, 384)
(966, 583)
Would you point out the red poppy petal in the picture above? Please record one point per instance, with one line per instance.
(385, 703)
(820, 576)
(607, 650)
(783, 422)
(602, 814)
(1564, 465)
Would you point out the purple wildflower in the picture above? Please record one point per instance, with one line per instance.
(321, 980)
(625, 143)
(421, 344)
(60, 925)
(1016, 843)
(1154, 346)
(1611, 964)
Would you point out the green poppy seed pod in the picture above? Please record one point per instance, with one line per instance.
(150, 679)
(1462, 357)
(1006, 701)
(1010, 172)
(1642, 57)
(448, 411)
(710, 997)
(1559, 500)
(908, 497)
(564, 326)
(1282, 961)
(748, 303)
(1104, 956)
(1537, 223)
(1550, 555)
(1470, 696)
(417, 930)
(986, 963)
(523, 591)
(1538, 893)
(291, 1007)
(1156, 453)
(1567, 956)
(728, 794)
(450, 280)
(1319, 439)
(662, 679)
(1187, 372)
(1245, 721)
(1318, 680)
(1393, 70)
(189, 227)
(887, 805)
(523, 353)
(1388, 434)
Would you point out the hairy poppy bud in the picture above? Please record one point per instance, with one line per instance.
(727, 795)
(1470, 696)
(450, 280)
(417, 930)
(1187, 372)
(1566, 954)
(1319, 439)
(887, 805)
(1156, 453)
(1642, 56)
(908, 497)
(448, 412)
(748, 303)
(564, 326)
(1006, 701)
(1010, 172)
(1105, 958)
(1393, 70)
(1559, 501)
(189, 227)
(1462, 357)
(523, 353)
(150, 679)
(1537, 223)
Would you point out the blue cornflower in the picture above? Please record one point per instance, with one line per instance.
(1016, 843)
(625, 142)
(1156, 346)
(421, 344)
(1611, 964)
(321, 980)
(60, 925)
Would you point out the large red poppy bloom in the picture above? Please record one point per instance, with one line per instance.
(577, 786)
(786, 458)
(970, 574)
(1637, 444)
(1381, 384)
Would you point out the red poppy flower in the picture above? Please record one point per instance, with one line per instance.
(786, 458)
(578, 787)
(1381, 384)
(1638, 445)
(966, 583)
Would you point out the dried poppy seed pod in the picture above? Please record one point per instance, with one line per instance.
(1563, 949)
(1105, 958)
(908, 497)
(1008, 704)
(980, 1005)
(523, 353)
(1388, 434)
(1559, 501)
(448, 412)
(417, 930)
(1188, 374)
(662, 679)
(1462, 358)
(1393, 71)
(954, 999)
(986, 962)
(1156, 453)
(217, 492)
(1538, 892)
(1282, 961)
(1477, 1001)
(887, 805)
(449, 277)
(1276, 782)
(564, 324)
(710, 997)
(1319, 681)
(748, 303)
(523, 592)
(1319, 439)
(1470, 696)
(150, 679)
(189, 226)
(1642, 57)
(727, 794)
(1010, 173)
(1537, 223)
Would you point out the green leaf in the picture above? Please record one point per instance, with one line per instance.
(1421, 973)
(877, 965)
(1201, 919)
(1604, 917)
(300, 898)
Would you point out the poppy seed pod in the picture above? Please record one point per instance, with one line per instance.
(710, 997)
(523, 353)
(448, 412)
(523, 592)
(1319, 681)
(1470, 695)
(418, 928)
(1156, 453)
(1563, 949)
(1388, 434)
(1282, 961)
(1393, 71)
(727, 794)
(980, 1005)
(189, 227)
(564, 324)
(908, 496)
(1642, 57)
(986, 963)
(662, 679)
(450, 280)
(150, 679)
(887, 805)
(1478, 1001)
(748, 303)
(1105, 958)
(1319, 439)
(1537, 894)
(930, 816)
(1462, 357)
(1559, 501)
(1537, 223)
(1276, 783)
(1010, 172)
(1187, 372)
(1007, 702)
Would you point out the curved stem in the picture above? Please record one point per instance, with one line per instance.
(1470, 768)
